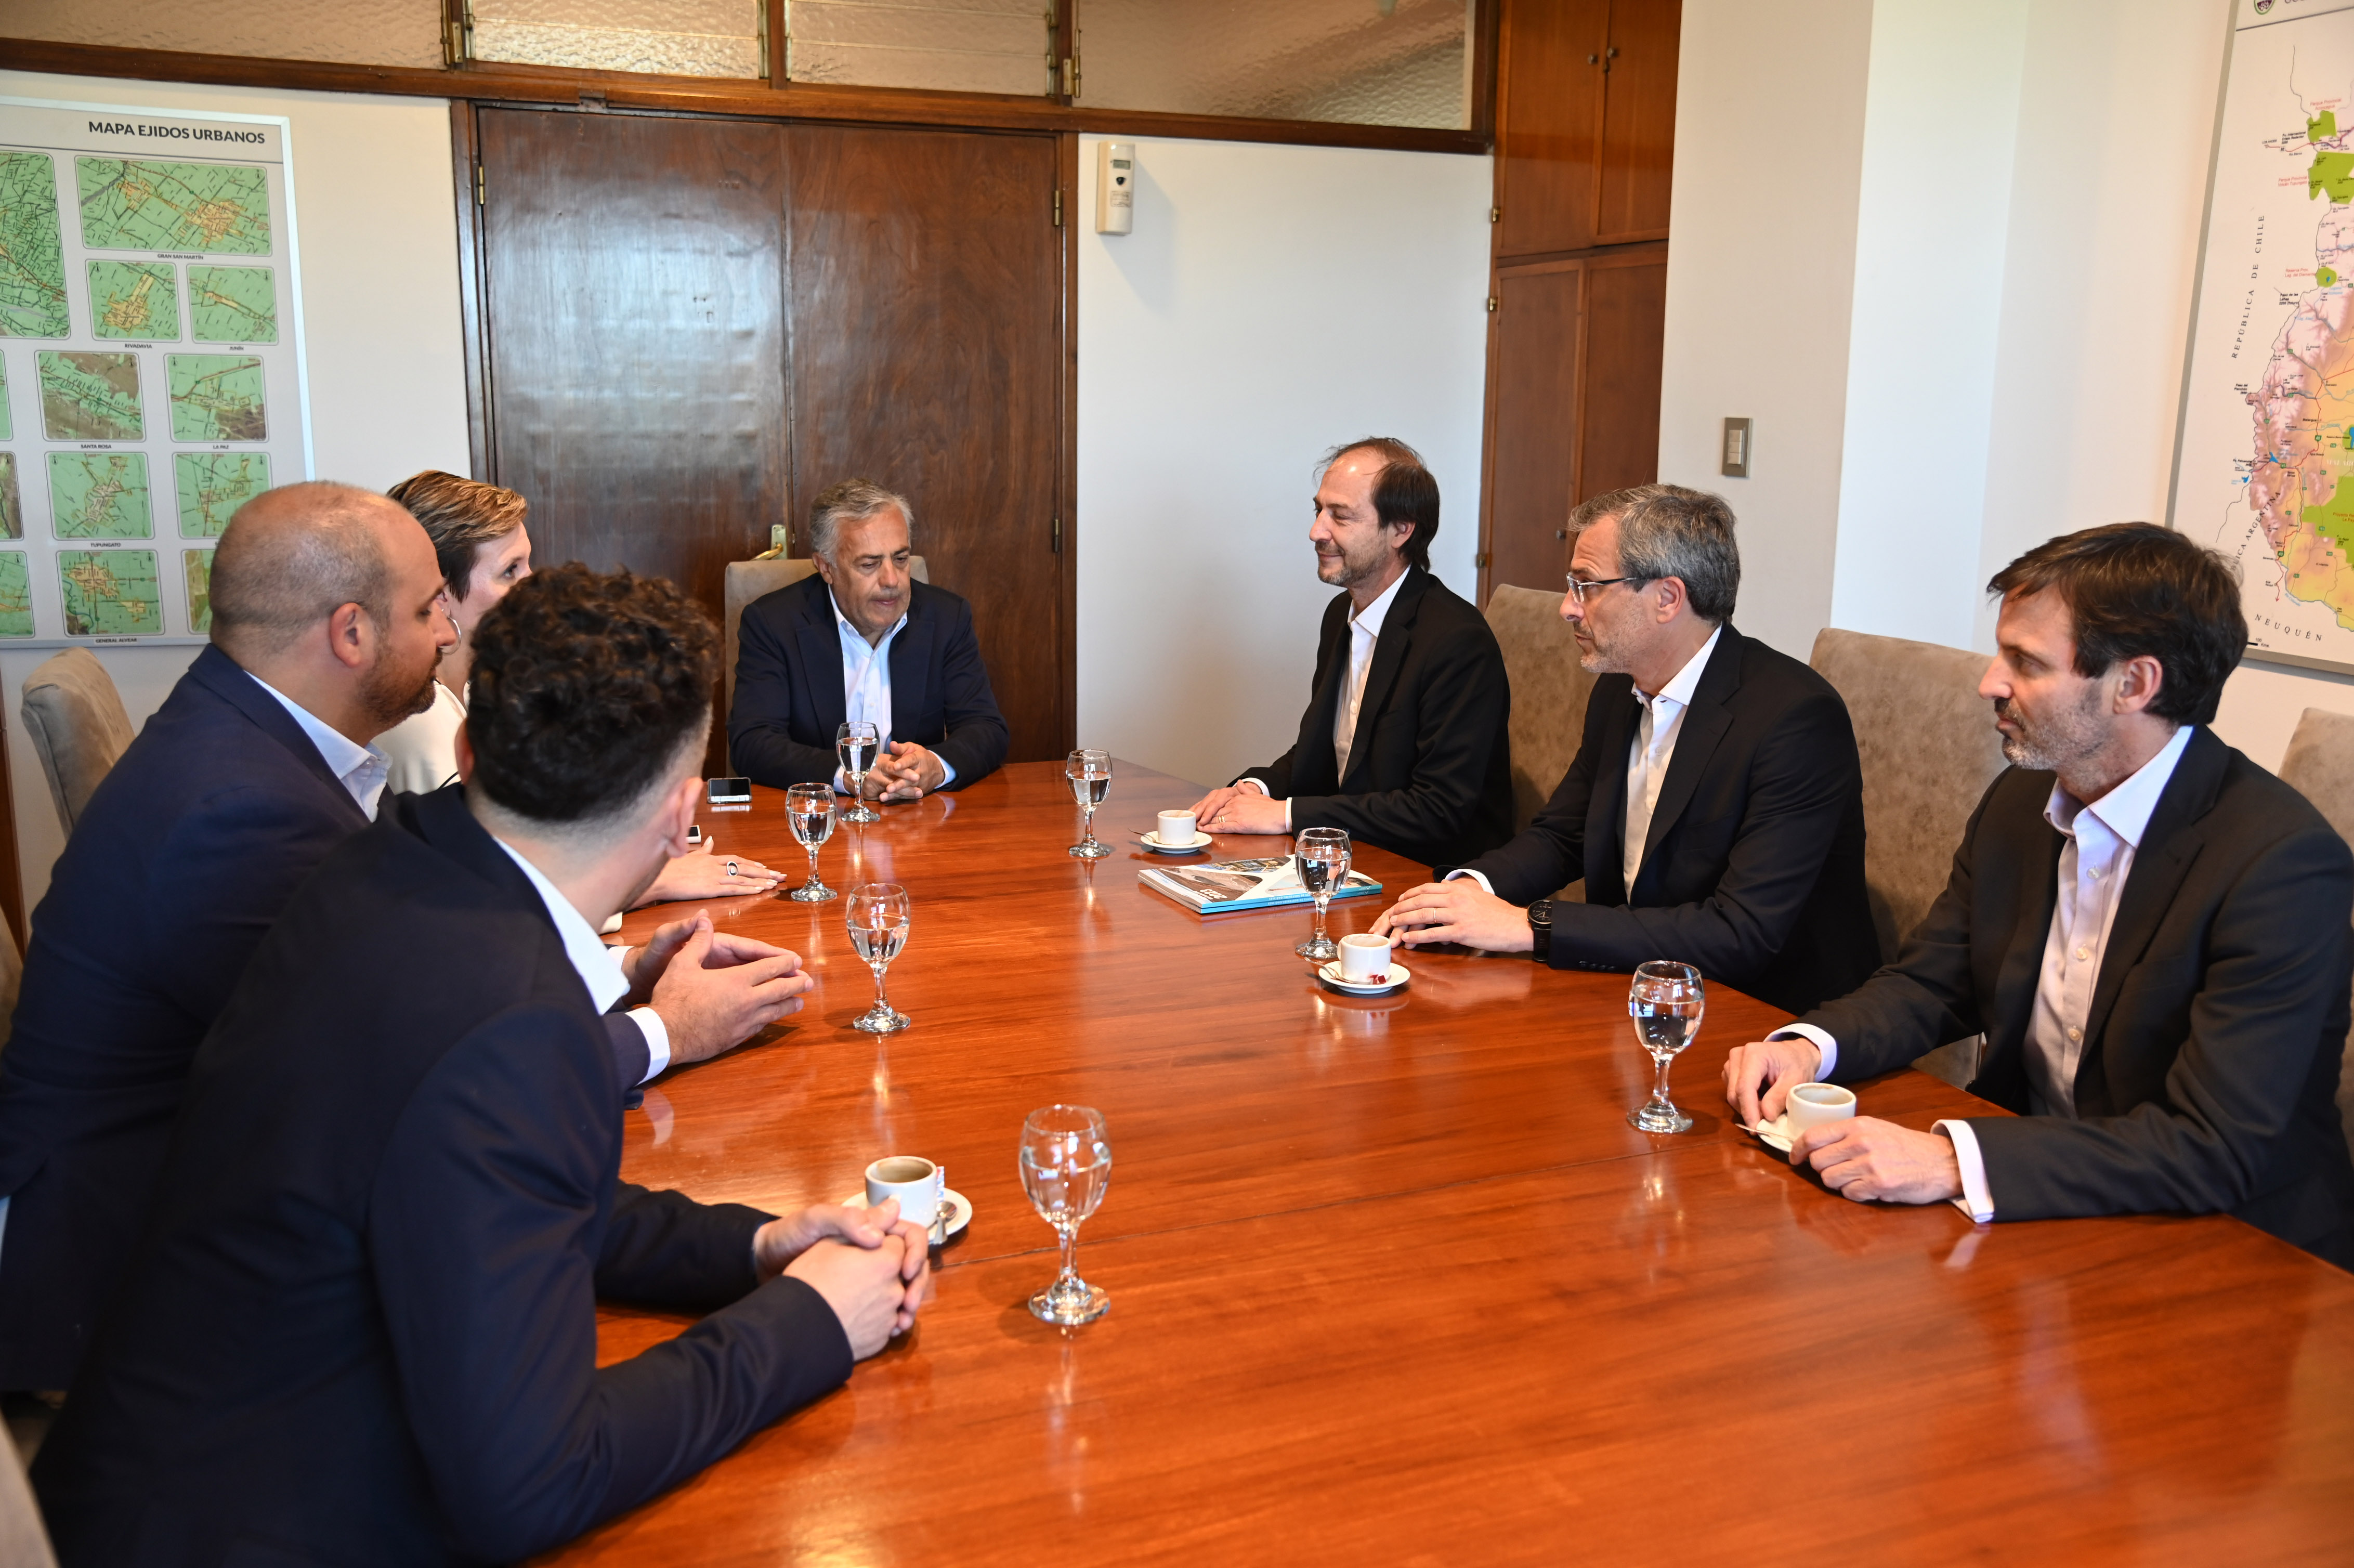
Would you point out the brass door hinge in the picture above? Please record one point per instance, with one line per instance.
(482, 187)
(1058, 209)
(1495, 215)
(1492, 304)
(1054, 535)
(1480, 559)
(1070, 76)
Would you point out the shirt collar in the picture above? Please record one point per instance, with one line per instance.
(590, 957)
(1679, 689)
(1368, 619)
(343, 755)
(851, 632)
(2126, 809)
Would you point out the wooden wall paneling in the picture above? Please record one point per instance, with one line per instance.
(1619, 372)
(1639, 121)
(1067, 480)
(1540, 315)
(467, 189)
(926, 281)
(633, 293)
(1548, 119)
(1486, 36)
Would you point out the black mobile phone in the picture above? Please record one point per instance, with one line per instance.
(694, 832)
(731, 791)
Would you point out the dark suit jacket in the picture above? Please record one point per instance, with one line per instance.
(2209, 1066)
(1430, 769)
(362, 1327)
(189, 849)
(1753, 866)
(788, 686)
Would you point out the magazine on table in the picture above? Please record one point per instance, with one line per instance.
(1225, 886)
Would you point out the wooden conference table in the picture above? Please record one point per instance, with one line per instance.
(1393, 1282)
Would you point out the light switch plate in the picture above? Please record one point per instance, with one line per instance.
(1736, 449)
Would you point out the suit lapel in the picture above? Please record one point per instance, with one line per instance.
(1606, 809)
(2023, 960)
(911, 665)
(1705, 722)
(821, 641)
(1389, 655)
(230, 680)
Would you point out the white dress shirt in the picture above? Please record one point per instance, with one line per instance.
(361, 769)
(1648, 756)
(866, 684)
(421, 752)
(2102, 838)
(1364, 631)
(599, 965)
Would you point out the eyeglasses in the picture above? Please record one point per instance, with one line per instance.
(1579, 587)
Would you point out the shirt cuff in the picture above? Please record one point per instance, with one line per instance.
(1260, 785)
(840, 782)
(657, 1041)
(948, 768)
(1822, 1042)
(1978, 1198)
(1480, 877)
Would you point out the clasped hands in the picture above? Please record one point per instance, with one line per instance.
(713, 990)
(1861, 1157)
(873, 1268)
(904, 771)
(1239, 809)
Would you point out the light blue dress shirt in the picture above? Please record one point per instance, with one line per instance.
(866, 683)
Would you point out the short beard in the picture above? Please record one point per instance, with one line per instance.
(390, 697)
(2052, 745)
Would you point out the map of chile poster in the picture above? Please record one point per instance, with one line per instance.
(151, 361)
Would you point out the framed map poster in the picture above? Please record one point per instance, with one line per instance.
(151, 361)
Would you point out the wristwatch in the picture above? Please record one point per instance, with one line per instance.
(1541, 930)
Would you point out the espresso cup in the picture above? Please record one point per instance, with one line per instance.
(917, 1182)
(1364, 959)
(1812, 1104)
(1177, 826)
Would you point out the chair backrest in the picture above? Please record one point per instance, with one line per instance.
(750, 581)
(2320, 766)
(79, 727)
(1549, 691)
(1929, 749)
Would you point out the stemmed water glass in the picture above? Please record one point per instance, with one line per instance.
(855, 743)
(1322, 856)
(877, 917)
(1090, 776)
(1066, 1166)
(809, 809)
(1666, 1001)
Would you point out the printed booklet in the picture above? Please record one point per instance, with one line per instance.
(1223, 887)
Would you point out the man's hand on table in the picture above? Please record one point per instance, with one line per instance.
(906, 771)
(872, 1267)
(1459, 911)
(1866, 1159)
(713, 990)
(1772, 1067)
(1239, 809)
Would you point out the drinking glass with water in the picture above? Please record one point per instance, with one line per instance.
(1666, 1001)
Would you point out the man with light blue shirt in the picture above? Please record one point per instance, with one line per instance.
(863, 640)
(2150, 931)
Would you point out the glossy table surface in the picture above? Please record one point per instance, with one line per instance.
(1392, 1281)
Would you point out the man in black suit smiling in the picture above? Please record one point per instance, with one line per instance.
(1716, 805)
(362, 1327)
(1402, 744)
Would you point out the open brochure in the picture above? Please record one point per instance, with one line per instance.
(1226, 885)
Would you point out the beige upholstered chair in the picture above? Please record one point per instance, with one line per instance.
(23, 1543)
(79, 725)
(1549, 691)
(2320, 766)
(750, 580)
(1929, 748)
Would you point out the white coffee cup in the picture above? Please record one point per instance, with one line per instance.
(917, 1182)
(1364, 959)
(1812, 1104)
(1177, 826)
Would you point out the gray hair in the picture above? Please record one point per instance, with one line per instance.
(291, 556)
(1667, 531)
(851, 500)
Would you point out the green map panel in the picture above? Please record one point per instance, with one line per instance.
(98, 495)
(200, 590)
(32, 262)
(212, 485)
(133, 206)
(110, 593)
(15, 595)
(215, 398)
(233, 304)
(91, 398)
(12, 499)
(134, 298)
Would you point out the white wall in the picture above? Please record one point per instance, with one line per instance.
(1760, 282)
(377, 228)
(1272, 303)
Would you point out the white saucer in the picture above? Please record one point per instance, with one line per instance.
(1151, 837)
(959, 1209)
(1398, 975)
(1773, 1134)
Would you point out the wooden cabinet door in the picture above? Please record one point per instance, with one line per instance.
(1619, 384)
(1637, 142)
(1548, 114)
(926, 286)
(1533, 422)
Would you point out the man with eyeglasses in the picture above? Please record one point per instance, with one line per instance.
(1715, 807)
